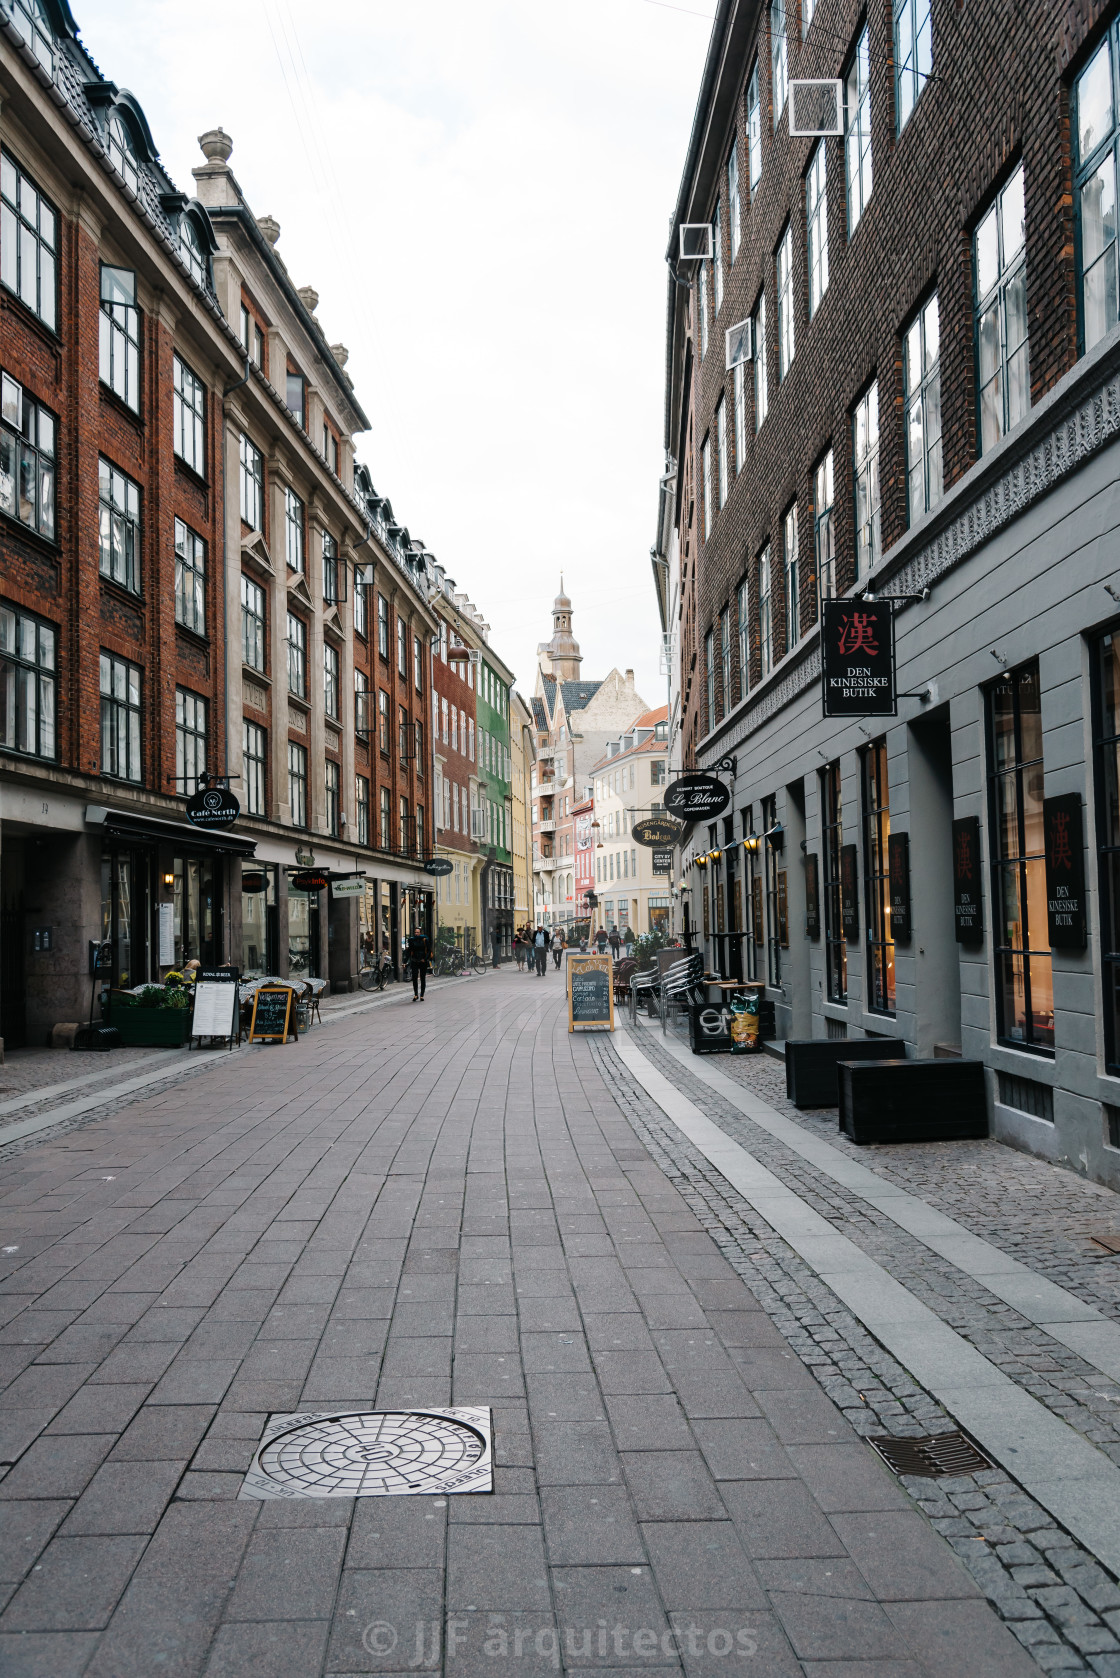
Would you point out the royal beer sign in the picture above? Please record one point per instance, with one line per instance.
(857, 659)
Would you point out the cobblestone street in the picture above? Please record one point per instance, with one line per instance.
(459, 1204)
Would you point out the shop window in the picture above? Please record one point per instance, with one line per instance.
(252, 623)
(254, 767)
(876, 832)
(190, 742)
(1000, 270)
(252, 485)
(1024, 980)
(293, 529)
(188, 405)
(28, 242)
(28, 684)
(120, 335)
(28, 449)
(836, 950)
(857, 131)
(258, 924)
(1106, 731)
(921, 365)
(1095, 133)
(120, 718)
(190, 578)
(297, 783)
(196, 912)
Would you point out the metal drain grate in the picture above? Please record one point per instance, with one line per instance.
(373, 1453)
(933, 1457)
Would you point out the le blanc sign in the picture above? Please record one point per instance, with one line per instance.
(696, 798)
(857, 663)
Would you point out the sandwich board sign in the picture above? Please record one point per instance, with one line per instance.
(590, 992)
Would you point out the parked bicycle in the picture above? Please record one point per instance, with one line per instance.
(375, 972)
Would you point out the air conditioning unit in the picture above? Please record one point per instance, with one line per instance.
(696, 241)
(738, 344)
(816, 108)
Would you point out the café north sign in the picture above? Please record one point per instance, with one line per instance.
(655, 831)
(857, 665)
(213, 807)
(696, 798)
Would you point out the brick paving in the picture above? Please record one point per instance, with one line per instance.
(424, 1205)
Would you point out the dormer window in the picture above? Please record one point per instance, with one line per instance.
(30, 21)
(190, 248)
(121, 155)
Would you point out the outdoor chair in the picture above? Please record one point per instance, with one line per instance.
(623, 973)
(681, 986)
(314, 989)
(643, 987)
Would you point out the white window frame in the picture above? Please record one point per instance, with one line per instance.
(921, 373)
(816, 225)
(787, 332)
(865, 459)
(858, 171)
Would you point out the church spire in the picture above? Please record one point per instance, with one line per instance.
(561, 657)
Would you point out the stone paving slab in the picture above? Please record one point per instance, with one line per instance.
(423, 1207)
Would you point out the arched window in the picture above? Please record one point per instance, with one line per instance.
(30, 20)
(121, 153)
(191, 248)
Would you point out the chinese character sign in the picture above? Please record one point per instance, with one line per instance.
(857, 665)
(1065, 872)
(967, 901)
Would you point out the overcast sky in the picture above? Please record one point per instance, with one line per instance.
(480, 192)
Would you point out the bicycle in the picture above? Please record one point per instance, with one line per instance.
(374, 975)
(449, 965)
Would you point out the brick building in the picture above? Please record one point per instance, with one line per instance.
(114, 356)
(924, 404)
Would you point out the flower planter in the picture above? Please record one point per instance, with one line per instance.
(161, 1028)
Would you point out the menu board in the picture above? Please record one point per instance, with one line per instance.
(590, 992)
(216, 1004)
(272, 1009)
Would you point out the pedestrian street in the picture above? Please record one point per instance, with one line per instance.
(685, 1306)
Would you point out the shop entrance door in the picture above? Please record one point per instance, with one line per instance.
(126, 915)
(197, 912)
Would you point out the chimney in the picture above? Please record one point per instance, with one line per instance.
(630, 678)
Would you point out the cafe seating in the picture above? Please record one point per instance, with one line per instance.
(624, 971)
(313, 991)
(682, 985)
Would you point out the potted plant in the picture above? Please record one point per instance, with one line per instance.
(158, 1017)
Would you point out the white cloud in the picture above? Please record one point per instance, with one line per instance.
(479, 190)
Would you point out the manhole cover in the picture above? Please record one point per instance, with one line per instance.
(938, 1454)
(373, 1453)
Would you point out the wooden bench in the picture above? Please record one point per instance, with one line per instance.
(912, 1101)
(811, 1063)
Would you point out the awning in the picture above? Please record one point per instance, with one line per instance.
(131, 825)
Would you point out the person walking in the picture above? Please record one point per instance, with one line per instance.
(496, 945)
(601, 941)
(558, 944)
(518, 950)
(628, 942)
(540, 951)
(420, 960)
(615, 943)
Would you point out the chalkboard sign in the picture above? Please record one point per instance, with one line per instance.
(590, 993)
(272, 1009)
(217, 1004)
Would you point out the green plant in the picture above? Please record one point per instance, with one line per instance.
(152, 996)
(177, 997)
(647, 946)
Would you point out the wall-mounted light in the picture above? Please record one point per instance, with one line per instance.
(776, 836)
(750, 843)
(169, 880)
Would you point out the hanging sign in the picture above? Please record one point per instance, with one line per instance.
(308, 881)
(857, 659)
(1065, 872)
(656, 830)
(438, 865)
(967, 903)
(213, 807)
(590, 992)
(347, 885)
(898, 879)
(254, 880)
(849, 892)
(663, 859)
(812, 897)
(696, 797)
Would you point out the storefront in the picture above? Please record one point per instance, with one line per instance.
(259, 921)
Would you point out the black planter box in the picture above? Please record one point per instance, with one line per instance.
(811, 1064)
(912, 1101)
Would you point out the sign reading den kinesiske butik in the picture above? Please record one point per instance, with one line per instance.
(857, 659)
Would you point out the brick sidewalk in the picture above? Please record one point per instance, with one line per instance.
(422, 1206)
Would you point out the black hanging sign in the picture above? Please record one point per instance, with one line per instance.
(696, 797)
(849, 892)
(439, 865)
(812, 897)
(309, 880)
(1065, 872)
(663, 859)
(254, 880)
(655, 831)
(968, 907)
(213, 807)
(898, 871)
(857, 659)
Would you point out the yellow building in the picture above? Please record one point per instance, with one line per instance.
(523, 753)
